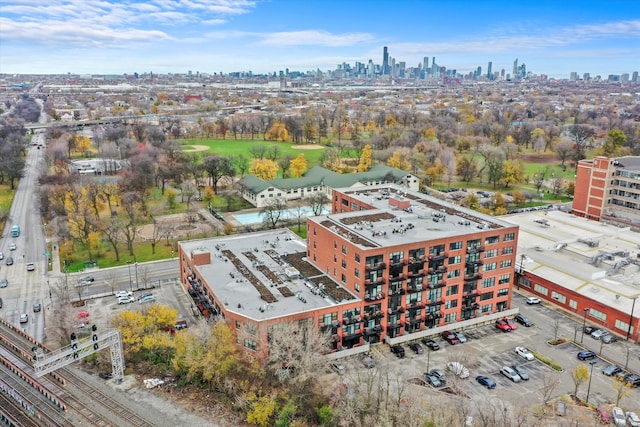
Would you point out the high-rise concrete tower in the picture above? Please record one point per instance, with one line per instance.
(514, 75)
(385, 61)
(489, 65)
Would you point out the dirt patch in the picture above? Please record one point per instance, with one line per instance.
(196, 148)
(307, 147)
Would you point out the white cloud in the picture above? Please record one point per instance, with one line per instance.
(313, 38)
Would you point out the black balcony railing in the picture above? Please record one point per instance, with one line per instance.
(376, 266)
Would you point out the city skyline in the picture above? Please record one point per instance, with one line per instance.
(113, 37)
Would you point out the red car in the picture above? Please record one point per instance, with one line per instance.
(450, 337)
(604, 416)
(504, 325)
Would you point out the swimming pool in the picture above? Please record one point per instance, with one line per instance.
(287, 214)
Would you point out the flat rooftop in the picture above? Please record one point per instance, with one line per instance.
(591, 258)
(401, 216)
(265, 275)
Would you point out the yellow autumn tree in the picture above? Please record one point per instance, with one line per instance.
(400, 160)
(262, 410)
(277, 132)
(264, 168)
(365, 158)
(298, 166)
(144, 331)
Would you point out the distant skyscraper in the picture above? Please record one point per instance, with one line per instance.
(634, 77)
(515, 69)
(478, 71)
(385, 61)
(425, 66)
(489, 70)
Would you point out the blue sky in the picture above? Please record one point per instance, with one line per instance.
(103, 36)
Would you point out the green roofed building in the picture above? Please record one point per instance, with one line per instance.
(318, 179)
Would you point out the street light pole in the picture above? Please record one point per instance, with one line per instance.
(428, 357)
(137, 284)
(130, 283)
(592, 363)
(584, 322)
(631, 317)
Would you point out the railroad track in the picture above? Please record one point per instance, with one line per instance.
(82, 400)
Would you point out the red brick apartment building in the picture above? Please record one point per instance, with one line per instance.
(609, 189)
(386, 263)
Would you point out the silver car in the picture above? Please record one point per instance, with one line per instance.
(510, 373)
(599, 333)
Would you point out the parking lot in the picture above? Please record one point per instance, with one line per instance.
(488, 349)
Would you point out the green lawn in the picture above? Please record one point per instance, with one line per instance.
(237, 146)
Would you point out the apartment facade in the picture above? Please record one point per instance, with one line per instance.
(388, 263)
(609, 189)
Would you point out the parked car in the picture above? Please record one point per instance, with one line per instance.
(417, 348)
(13, 246)
(621, 375)
(524, 353)
(368, 362)
(588, 329)
(608, 339)
(338, 368)
(86, 280)
(461, 337)
(398, 350)
(432, 380)
(0, 302)
(431, 344)
(125, 300)
(31, 266)
(145, 295)
(145, 299)
(503, 325)
(486, 381)
(618, 417)
(599, 333)
(24, 318)
(533, 300)
(510, 373)
(521, 371)
(37, 307)
(633, 380)
(4, 283)
(603, 414)
(450, 337)
(9, 260)
(121, 294)
(586, 355)
(633, 419)
(439, 373)
(1, 255)
(611, 370)
(523, 320)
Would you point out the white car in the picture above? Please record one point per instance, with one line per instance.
(125, 300)
(524, 353)
(24, 318)
(618, 417)
(510, 373)
(13, 247)
(31, 266)
(123, 294)
(633, 419)
(599, 333)
(533, 300)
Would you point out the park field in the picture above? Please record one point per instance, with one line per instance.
(235, 147)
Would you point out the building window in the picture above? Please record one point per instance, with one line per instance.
(328, 319)
(558, 297)
(335, 273)
(250, 329)
(490, 254)
(488, 282)
(238, 324)
(598, 314)
(508, 250)
(357, 287)
(623, 326)
(486, 308)
(573, 304)
(356, 272)
(396, 257)
(453, 273)
(345, 202)
(357, 257)
(541, 289)
(485, 296)
(504, 278)
(354, 207)
(452, 303)
(489, 267)
(335, 244)
(509, 237)
(344, 264)
(250, 344)
(452, 290)
(492, 240)
(344, 249)
(455, 246)
(455, 260)
(503, 292)
(344, 278)
(506, 263)
(450, 318)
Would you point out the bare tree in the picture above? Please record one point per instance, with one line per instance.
(550, 382)
(317, 201)
(272, 212)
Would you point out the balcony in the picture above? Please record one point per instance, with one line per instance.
(373, 331)
(435, 315)
(374, 297)
(473, 306)
(438, 284)
(475, 249)
(436, 302)
(351, 320)
(474, 276)
(414, 289)
(351, 335)
(393, 292)
(419, 273)
(474, 262)
(414, 320)
(416, 306)
(376, 266)
(414, 261)
(438, 256)
(394, 328)
(441, 269)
